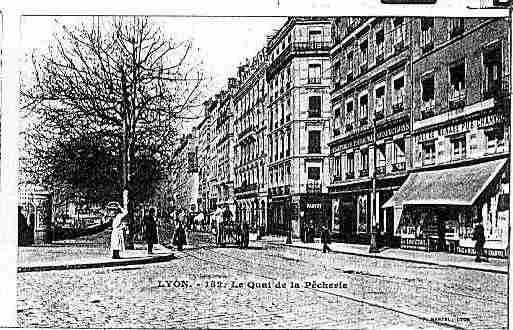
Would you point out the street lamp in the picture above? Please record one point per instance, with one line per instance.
(373, 242)
(289, 233)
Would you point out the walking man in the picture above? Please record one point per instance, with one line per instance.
(325, 239)
(479, 237)
(150, 229)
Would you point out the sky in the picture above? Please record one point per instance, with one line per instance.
(222, 42)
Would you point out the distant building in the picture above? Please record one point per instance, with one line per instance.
(251, 150)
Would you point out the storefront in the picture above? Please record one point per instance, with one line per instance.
(438, 210)
(314, 211)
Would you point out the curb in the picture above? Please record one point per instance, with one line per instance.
(141, 261)
(424, 262)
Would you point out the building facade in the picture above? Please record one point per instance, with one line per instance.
(298, 78)
(251, 149)
(370, 137)
(420, 116)
(460, 136)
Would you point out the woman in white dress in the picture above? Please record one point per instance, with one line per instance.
(117, 239)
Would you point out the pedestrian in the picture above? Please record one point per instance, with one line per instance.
(22, 227)
(441, 234)
(480, 239)
(117, 239)
(150, 230)
(325, 239)
(245, 235)
(179, 239)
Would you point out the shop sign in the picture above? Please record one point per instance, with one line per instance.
(352, 143)
(464, 126)
(313, 206)
(394, 130)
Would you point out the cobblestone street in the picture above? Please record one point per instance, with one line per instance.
(228, 287)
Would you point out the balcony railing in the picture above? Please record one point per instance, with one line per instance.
(306, 46)
(364, 172)
(313, 187)
(380, 57)
(363, 67)
(397, 107)
(379, 115)
(497, 88)
(381, 170)
(427, 109)
(349, 77)
(246, 188)
(349, 175)
(399, 166)
(456, 30)
(457, 98)
(314, 113)
(314, 80)
(337, 178)
(314, 150)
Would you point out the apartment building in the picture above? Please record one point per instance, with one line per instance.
(371, 99)
(460, 136)
(251, 148)
(298, 79)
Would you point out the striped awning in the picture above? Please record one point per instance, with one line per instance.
(454, 186)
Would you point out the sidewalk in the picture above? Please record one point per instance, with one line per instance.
(443, 259)
(86, 252)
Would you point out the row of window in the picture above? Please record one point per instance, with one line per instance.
(353, 118)
(398, 161)
(459, 149)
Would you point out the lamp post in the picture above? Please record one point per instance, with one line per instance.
(289, 233)
(373, 242)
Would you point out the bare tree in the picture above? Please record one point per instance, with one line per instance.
(119, 77)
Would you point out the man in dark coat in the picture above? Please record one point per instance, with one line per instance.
(22, 227)
(245, 235)
(150, 232)
(479, 237)
(325, 239)
(179, 239)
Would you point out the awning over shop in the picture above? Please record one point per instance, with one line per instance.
(455, 186)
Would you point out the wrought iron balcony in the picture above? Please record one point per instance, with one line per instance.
(364, 172)
(399, 45)
(314, 80)
(456, 30)
(457, 98)
(428, 46)
(381, 170)
(363, 67)
(427, 109)
(314, 113)
(497, 89)
(314, 149)
(297, 48)
(399, 166)
(380, 57)
(398, 107)
(313, 187)
(349, 77)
